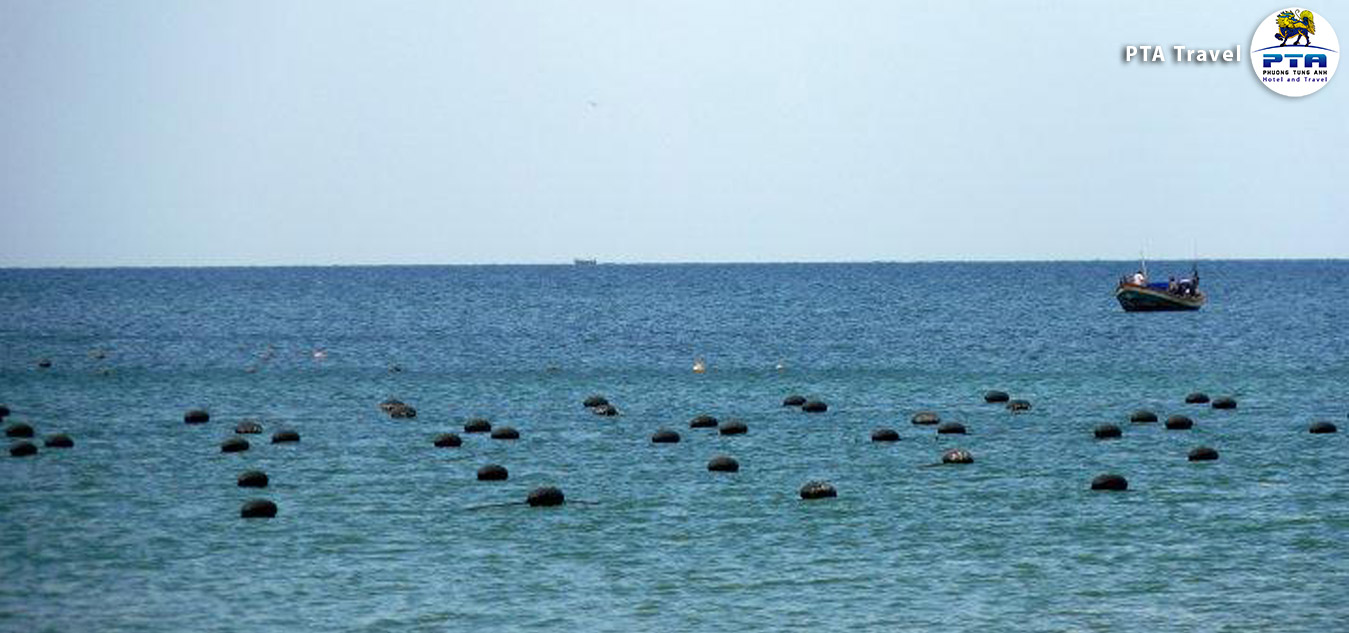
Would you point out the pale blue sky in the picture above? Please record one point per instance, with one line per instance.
(222, 133)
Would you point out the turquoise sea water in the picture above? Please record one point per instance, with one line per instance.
(137, 527)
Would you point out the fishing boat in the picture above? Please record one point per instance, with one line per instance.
(1136, 294)
(584, 262)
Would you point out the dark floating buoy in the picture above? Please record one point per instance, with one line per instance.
(818, 490)
(257, 509)
(248, 427)
(733, 427)
(253, 479)
(1016, 406)
(1322, 427)
(1109, 481)
(1203, 454)
(996, 396)
(196, 416)
(58, 440)
(605, 410)
(1224, 402)
(1197, 397)
(595, 401)
(477, 425)
(814, 406)
(664, 436)
(22, 449)
(1179, 423)
(286, 436)
(45, 363)
(885, 435)
(703, 422)
(505, 433)
(448, 440)
(925, 418)
(19, 429)
(793, 400)
(1142, 416)
(234, 445)
(492, 472)
(4, 411)
(723, 464)
(403, 412)
(545, 497)
(957, 456)
(1108, 432)
(951, 428)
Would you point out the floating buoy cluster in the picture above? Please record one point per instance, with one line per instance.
(1018, 406)
(398, 410)
(599, 405)
(1173, 422)
(24, 432)
(549, 496)
(540, 497)
(997, 396)
(814, 406)
(251, 478)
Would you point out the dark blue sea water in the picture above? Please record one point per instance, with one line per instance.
(137, 527)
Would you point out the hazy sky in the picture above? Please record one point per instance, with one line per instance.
(217, 132)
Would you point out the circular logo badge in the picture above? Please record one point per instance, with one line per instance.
(1294, 52)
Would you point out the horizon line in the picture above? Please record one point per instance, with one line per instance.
(572, 264)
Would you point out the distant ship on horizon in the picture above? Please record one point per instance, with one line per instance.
(584, 262)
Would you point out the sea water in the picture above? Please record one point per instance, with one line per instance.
(137, 527)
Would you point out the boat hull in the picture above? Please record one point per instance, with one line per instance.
(1140, 299)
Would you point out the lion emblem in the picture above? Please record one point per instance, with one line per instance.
(1295, 27)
